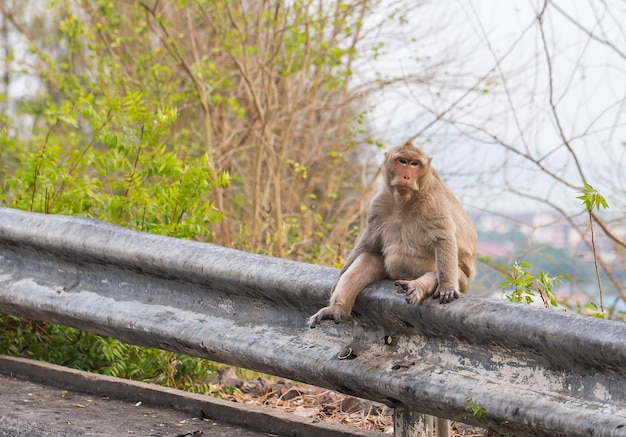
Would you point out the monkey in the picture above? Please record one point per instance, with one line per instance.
(417, 234)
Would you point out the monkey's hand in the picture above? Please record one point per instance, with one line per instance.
(332, 312)
(415, 290)
(445, 296)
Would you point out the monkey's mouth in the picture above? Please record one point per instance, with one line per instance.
(404, 191)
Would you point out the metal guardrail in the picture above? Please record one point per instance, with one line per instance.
(524, 370)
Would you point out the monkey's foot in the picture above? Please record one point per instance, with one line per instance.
(332, 312)
(445, 296)
(415, 290)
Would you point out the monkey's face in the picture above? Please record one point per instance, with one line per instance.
(404, 175)
(405, 171)
(406, 167)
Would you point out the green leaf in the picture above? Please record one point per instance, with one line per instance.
(591, 198)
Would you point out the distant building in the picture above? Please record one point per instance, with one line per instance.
(547, 229)
(491, 248)
(556, 232)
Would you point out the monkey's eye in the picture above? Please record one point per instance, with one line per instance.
(412, 163)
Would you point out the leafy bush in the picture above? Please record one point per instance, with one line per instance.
(84, 351)
(523, 286)
(122, 173)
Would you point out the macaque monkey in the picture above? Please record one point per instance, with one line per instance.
(417, 234)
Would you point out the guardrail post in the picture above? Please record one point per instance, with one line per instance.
(412, 424)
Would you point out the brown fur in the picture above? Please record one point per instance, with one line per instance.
(417, 234)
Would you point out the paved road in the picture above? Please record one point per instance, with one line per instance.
(42, 400)
(30, 409)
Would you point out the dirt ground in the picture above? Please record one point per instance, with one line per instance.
(319, 404)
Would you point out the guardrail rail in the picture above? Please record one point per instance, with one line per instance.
(527, 370)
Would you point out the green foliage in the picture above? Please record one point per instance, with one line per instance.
(591, 309)
(108, 152)
(591, 198)
(81, 350)
(474, 408)
(478, 412)
(523, 285)
(229, 390)
(124, 173)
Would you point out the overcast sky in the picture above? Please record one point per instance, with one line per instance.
(488, 59)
